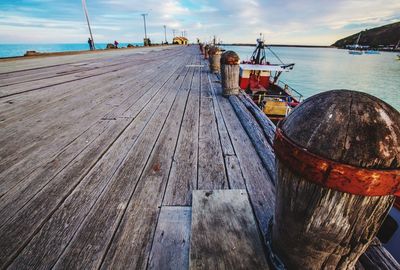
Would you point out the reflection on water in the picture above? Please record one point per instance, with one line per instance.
(322, 69)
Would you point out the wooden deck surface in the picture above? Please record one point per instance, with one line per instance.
(94, 148)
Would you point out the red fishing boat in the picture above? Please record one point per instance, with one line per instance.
(260, 79)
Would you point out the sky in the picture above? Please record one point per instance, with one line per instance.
(303, 22)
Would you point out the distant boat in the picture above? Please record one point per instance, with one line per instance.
(371, 52)
(355, 52)
(356, 49)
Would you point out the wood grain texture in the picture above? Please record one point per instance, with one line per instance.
(131, 244)
(256, 178)
(28, 187)
(67, 126)
(255, 133)
(233, 170)
(212, 174)
(329, 228)
(224, 232)
(45, 205)
(326, 228)
(183, 176)
(264, 122)
(170, 249)
(90, 191)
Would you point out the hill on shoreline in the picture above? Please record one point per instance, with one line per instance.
(384, 35)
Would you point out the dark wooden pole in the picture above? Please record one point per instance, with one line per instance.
(201, 48)
(206, 48)
(214, 59)
(337, 166)
(230, 73)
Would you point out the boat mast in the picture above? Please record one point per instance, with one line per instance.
(258, 56)
(87, 19)
(358, 39)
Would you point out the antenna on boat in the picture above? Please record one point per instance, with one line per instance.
(87, 19)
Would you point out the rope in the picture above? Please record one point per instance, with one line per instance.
(277, 57)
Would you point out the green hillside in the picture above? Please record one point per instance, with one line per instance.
(384, 35)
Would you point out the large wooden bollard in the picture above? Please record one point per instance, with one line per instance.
(201, 45)
(214, 59)
(206, 48)
(338, 159)
(230, 73)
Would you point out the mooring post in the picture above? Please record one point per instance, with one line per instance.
(201, 48)
(337, 166)
(230, 73)
(206, 48)
(214, 59)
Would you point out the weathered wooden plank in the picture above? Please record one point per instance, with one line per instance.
(74, 89)
(16, 232)
(76, 205)
(234, 173)
(27, 99)
(171, 242)
(11, 90)
(261, 145)
(93, 69)
(31, 75)
(19, 195)
(183, 176)
(59, 139)
(212, 174)
(224, 232)
(131, 245)
(13, 66)
(264, 122)
(258, 183)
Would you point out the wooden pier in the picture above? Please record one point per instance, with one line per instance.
(100, 155)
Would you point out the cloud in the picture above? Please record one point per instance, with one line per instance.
(293, 22)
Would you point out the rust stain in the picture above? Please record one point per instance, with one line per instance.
(334, 175)
(156, 167)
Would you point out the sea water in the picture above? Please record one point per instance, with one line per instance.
(11, 50)
(320, 69)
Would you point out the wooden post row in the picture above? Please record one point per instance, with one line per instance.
(206, 48)
(337, 165)
(201, 46)
(214, 59)
(230, 70)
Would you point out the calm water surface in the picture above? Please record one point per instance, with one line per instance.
(322, 69)
(9, 50)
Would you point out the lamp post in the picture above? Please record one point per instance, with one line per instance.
(165, 33)
(146, 40)
(87, 20)
(144, 22)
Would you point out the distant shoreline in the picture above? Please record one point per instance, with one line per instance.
(277, 45)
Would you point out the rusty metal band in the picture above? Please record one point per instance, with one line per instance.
(334, 175)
